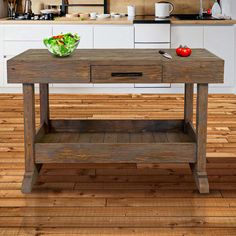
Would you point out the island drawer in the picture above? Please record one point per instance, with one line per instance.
(126, 74)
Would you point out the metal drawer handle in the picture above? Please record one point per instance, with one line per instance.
(127, 74)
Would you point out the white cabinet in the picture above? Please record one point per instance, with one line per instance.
(113, 36)
(190, 35)
(84, 31)
(13, 48)
(26, 32)
(220, 40)
(18, 38)
(152, 45)
(152, 33)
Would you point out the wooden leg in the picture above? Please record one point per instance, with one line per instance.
(31, 171)
(44, 104)
(199, 168)
(188, 106)
(188, 103)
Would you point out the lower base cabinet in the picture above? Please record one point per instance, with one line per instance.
(118, 36)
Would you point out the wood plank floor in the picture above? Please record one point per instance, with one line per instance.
(122, 199)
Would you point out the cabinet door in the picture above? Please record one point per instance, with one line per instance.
(152, 33)
(189, 35)
(152, 45)
(27, 32)
(84, 31)
(13, 48)
(220, 40)
(108, 36)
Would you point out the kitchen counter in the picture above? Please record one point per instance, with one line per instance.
(74, 20)
(123, 21)
(176, 21)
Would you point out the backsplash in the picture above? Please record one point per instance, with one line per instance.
(3, 7)
(143, 7)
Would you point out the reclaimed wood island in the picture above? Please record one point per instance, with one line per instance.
(115, 141)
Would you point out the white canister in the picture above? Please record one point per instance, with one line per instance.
(131, 11)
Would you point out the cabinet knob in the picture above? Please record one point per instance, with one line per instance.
(4, 56)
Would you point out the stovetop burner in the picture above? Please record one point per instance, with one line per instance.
(150, 20)
(33, 17)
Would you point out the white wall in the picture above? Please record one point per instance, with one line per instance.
(3, 8)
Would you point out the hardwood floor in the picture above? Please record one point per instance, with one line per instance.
(121, 199)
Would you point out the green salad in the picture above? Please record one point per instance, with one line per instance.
(62, 45)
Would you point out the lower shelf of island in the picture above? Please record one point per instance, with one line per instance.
(115, 141)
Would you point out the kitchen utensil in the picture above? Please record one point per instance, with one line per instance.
(103, 16)
(48, 16)
(50, 11)
(93, 15)
(84, 15)
(72, 15)
(11, 9)
(216, 10)
(131, 11)
(165, 54)
(117, 15)
(163, 9)
(28, 7)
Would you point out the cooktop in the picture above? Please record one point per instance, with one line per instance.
(150, 20)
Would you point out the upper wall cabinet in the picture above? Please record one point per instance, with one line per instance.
(189, 35)
(84, 31)
(117, 36)
(220, 40)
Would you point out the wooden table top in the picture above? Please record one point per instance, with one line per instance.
(39, 66)
(111, 55)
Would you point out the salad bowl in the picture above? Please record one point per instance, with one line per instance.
(62, 45)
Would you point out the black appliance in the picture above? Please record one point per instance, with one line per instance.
(33, 17)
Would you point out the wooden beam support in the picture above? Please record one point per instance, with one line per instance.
(44, 104)
(31, 169)
(199, 168)
(188, 103)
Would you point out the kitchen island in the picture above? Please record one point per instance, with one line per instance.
(115, 141)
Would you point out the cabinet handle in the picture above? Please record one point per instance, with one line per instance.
(4, 56)
(127, 74)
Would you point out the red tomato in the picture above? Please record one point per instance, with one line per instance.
(178, 50)
(58, 37)
(183, 51)
(209, 11)
(186, 52)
